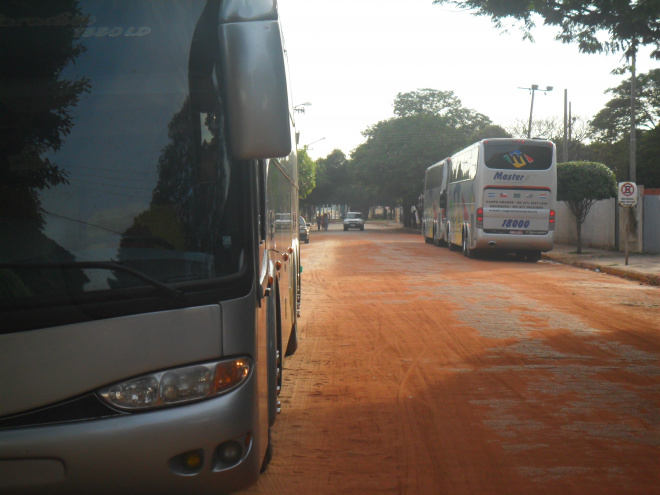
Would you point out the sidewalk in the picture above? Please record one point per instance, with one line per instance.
(642, 267)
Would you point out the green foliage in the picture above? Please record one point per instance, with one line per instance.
(577, 181)
(391, 163)
(332, 174)
(611, 126)
(628, 24)
(439, 103)
(580, 185)
(613, 121)
(306, 173)
(429, 126)
(648, 158)
(489, 132)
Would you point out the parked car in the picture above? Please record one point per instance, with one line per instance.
(304, 231)
(353, 220)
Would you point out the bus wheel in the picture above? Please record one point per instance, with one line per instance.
(292, 345)
(467, 252)
(273, 364)
(449, 244)
(533, 256)
(442, 242)
(269, 454)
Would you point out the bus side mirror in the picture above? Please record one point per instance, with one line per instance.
(255, 80)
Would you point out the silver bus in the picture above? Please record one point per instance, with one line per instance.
(434, 216)
(147, 295)
(501, 196)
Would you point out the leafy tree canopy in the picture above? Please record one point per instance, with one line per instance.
(489, 132)
(429, 126)
(628, 23)
(331, 174)
(577, 181)
(441, 103)
(306, 173)
(613, 121)
(580, 185)
(397, 152)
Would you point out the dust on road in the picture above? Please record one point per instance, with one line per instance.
(422, 372)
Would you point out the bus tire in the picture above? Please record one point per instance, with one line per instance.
(268, 456)
(533, 256)
(272, 361)
(292, 345)
(467, 251)
(441, 242)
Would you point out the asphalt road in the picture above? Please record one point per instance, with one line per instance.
(422, 372)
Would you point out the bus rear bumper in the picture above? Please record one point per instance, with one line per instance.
(175, 451)
(514, 243)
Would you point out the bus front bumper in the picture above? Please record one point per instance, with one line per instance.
(178, 450)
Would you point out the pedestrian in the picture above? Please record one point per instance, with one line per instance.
(318, 221)
(326, 221)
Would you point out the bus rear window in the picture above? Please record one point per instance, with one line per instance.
(518, 156)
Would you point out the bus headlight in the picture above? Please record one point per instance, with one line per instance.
(177, 386)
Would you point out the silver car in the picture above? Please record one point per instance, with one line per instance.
(353, 220)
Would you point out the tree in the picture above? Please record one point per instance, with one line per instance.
(613, 122)
(489, 132)
(332, 178)
(391, 163)
(580, 185)
(610, 126)
(440, 103)
(429, 126)
(552, 128)
(306, 173)
(36, 114)
(36, 102)
(628, 24)
(648, 171)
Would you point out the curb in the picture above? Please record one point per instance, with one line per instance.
(646, 278)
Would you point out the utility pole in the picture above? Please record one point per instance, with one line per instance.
(570, 121)
(565, 150)
(632, 174)
(535, 87)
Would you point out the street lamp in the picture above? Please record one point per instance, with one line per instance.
(309, 144)
(535, 87)
(301, 107)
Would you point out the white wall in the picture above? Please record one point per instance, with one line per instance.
(598, 229)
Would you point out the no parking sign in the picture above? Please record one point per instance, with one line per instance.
(627, 194)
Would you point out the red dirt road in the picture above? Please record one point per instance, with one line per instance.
(422, 372)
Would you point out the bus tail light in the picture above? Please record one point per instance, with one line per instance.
(480, 218)
(552, 220)
(177, 386)
(444, 213)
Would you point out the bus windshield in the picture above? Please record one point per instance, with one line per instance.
(517, 155)
(115, 155)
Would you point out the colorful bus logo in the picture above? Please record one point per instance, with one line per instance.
(518, 159)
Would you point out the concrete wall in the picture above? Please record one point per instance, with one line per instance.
(599, 228)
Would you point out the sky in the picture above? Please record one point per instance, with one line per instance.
(350, 58)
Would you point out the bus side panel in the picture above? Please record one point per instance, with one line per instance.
(461, 209)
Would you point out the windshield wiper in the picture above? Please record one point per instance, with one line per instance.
(162, 288)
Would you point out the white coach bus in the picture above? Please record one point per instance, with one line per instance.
(434, 218)
(501, 196)
(148, 294)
